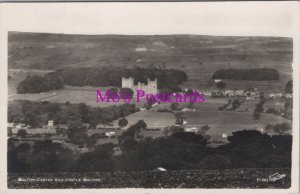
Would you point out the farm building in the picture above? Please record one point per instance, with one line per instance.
(229, 93)
(217, 93)
(207, 93)
(240, 93)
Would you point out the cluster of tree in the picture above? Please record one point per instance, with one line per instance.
(289, 87)
(259, 108)
(179, 118)
(225, 105)
(261, 74)
(288, 109)
(43, 156)
(133, 131)
(182, 150)
(235, 104)
(37, 114)
(280, 129)
(123, 122)
(221, 85)
(174, 106)
(274, 111)
(288, 104)
(37, 84)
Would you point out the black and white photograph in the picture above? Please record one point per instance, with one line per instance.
(159, 95)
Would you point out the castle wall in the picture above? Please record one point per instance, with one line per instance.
(149, 88)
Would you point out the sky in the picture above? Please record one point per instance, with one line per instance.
(225, 19)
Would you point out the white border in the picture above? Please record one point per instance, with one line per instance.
(5, 25)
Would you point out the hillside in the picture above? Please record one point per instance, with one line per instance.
(199, 56)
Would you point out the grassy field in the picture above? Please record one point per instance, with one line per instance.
(227, 178)
(222, 122)
(152, 119)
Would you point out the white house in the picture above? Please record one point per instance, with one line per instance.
(229, 93)
(240, 93)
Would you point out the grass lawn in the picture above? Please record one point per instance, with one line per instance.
(152, 119)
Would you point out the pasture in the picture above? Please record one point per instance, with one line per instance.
(225, 122)
(152, 119)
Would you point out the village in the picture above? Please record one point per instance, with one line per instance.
(158, 117)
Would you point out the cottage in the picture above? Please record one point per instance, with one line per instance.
(229, 93)
(253, 94)
(143, 109)
(217, 93)
(186, 110)
(207, 93)
(110, 134)
(279, 95)
(224, 135)
(272, 95)
(191, 129)
(50, 123)
(240, 93)
(288, 95)
(250, 98)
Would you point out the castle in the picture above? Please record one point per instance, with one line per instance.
(149, 88)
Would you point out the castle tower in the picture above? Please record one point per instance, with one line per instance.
(127, 83)
(152, 86)
(149, 88)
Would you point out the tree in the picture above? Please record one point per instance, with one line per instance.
(221, 85)
(164, 93)
(113, 92)
(101, 159)
(18, 157)
(215, 161)
(133, 131)
(202, 131)
(123, 122)
(81, 138)
(179, 118)
(84, 112)
(246, 148)
(172, 130)
(126, 93)
(141, 124)
(269, 128)
(289, 87)
(48, 156)
(189, 91)
(77, 133)
(22, 133)
(174, 106)
(256, 115)
(282, 129)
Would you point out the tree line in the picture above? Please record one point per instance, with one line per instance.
(259, 74)
(101, 77)
(37, 84)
